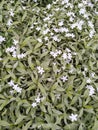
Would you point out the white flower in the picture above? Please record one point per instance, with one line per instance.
(38, 28)
(65, 1)
(82, 11)
(56, 29)
(46, 38)
(35, 0)
(40, 70)
(69, 56)
(2, 39)
(85, 69)
(70, 35)
(11, 13)
(80, 5)
(73, 25)
(60, 23)
(55, 38)
(47, 18)
(14, 54)
(91, 34)
(46, 31)
(39, 39)
(11, 83)
(70, 14)
(90, 24)
(18, 89)
(73, 117)
(59, 52)
(58, 96)
(11, 91)
(54, 54)
(92, 74)
(88, 80)
(64, 78)
(79, 24)
(20, 56)
(54, 63)
(64, 56)
(38, 99)
(34, 104)
(91, 90)
(48, 6)
(63, 29)
(9, 23)
(71, 19)
(86, 16)
(15, 42)
(1, 58)
(15, 87)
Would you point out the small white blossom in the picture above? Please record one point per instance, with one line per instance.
(46, 31)
(69, 56)
(70, 35)
(73, 117)
(55, 38)
(14, 54)
(64, 78)
(48, 6)
(46, 38)
(38, 28)
(20, 56)
(1, 58)
(18, 89)
(35, 0)
(60, 23)
(71, 19)
(92, 74)
(46, 19)
(64, 56)
(85, 69)
(9, 22)
(88, 80)
(90, 24)
(11, 12)
(91, 90)
(54, 54)
(82, 11)
(40, 70)
(2, 39)
(39, 39)
(38, 99)
(15, 42)
(34, 104)
(11, 83)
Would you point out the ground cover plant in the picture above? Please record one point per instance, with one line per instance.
(49, 65)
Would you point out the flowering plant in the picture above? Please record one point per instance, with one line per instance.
(48, 65)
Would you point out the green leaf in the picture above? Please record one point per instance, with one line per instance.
(20, 119)
(4, 123)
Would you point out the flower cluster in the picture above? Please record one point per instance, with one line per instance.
(13, 50)
(38, 99)
(15, 86)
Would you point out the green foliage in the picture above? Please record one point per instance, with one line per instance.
(48, 65)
